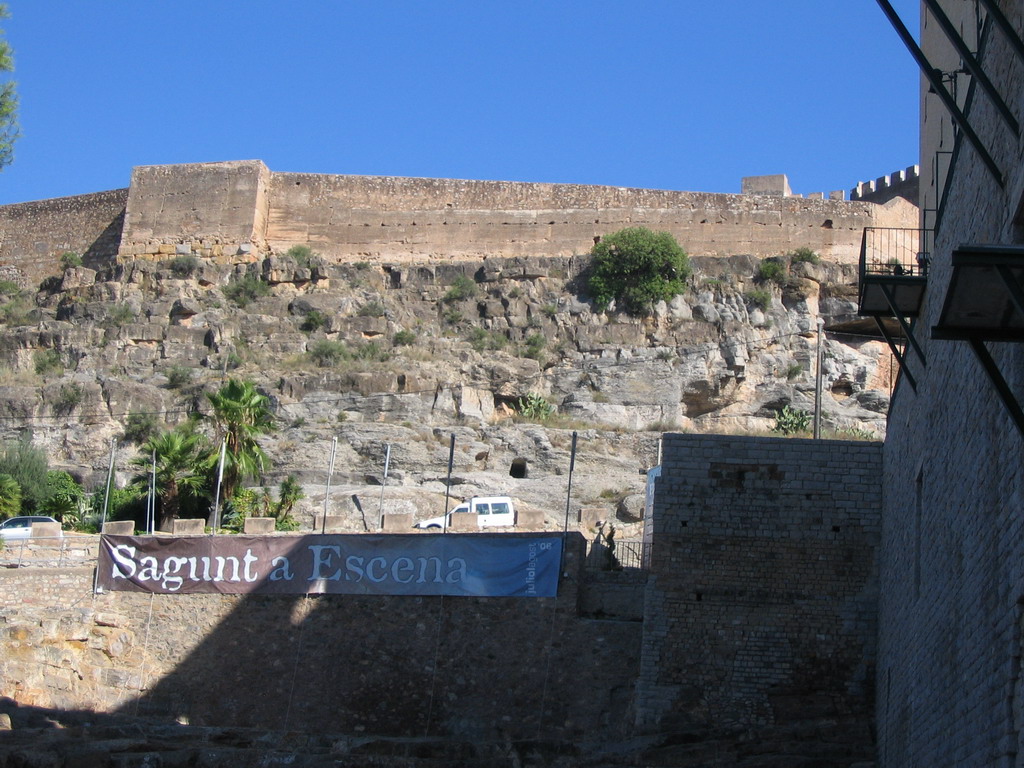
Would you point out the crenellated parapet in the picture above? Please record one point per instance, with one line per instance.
(905, 184)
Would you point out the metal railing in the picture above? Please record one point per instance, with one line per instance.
(621, 555)
(50, 551)
(896, 252)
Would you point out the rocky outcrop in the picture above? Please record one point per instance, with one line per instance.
(408, 354)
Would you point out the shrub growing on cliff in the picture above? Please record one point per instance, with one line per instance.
(462, 288)
(246, 289)
(183, 265)
(804, 256)
(303, 255)
(70, 260)
(759, 298)
(327, 353)
(636, 267)
(772, 270)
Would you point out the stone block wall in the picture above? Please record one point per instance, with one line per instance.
(34, 235)
(473, 668)
(213, 210)
(371, 217)
(760, 608)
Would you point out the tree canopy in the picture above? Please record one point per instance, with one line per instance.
(8, 99)
(636, 267)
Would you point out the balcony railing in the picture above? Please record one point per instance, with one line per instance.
(895, 252)
(893, 270)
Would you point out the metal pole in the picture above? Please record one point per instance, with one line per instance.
(152, 496)
(327, 493)
(387, 464)
(817, 384)
(103, 519)
(110, 476)
(568, 489)
(220, 479)
(448, 484)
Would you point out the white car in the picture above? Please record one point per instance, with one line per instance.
(21, 527)
(490, 511)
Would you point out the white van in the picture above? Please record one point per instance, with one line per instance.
(489, 510)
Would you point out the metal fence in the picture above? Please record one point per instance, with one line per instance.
(621, 555)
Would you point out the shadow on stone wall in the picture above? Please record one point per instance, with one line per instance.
(487, 668)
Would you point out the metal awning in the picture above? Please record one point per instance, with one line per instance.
(984, 299)
(985, 302)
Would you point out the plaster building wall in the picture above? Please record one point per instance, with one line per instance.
(760, 608)
(951, 610)
(34, 235)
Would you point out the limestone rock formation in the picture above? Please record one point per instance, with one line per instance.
(392, 354)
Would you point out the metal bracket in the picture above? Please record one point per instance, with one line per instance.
(1002, 388)
(973, 65)
(904, 371)
(940, 89)
(908, 329)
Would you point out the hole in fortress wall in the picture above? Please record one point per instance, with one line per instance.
(826, 224)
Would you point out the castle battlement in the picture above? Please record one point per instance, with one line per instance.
(903, 184)
(238, 211)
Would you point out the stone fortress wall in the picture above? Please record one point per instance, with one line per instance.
(235, 211)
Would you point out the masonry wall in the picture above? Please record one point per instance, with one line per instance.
(472, 668)
(760, 608)
(950, 688)
(395, 218)
(34, 235)
(236, 212)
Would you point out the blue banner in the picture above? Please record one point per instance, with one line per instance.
(469, 565)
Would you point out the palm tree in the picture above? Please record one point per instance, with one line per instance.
(10, 497)
(179, 469)
(240, 415)
(289, 493)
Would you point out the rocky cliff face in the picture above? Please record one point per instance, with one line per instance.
(407, 355)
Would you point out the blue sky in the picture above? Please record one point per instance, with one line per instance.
(673, 94)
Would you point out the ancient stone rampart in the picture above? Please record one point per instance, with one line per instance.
(231, 212)
(34, 235)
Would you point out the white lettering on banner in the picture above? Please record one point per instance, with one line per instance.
(346, 565)
(166, 573)
(122, 555)
(378, 570)
(283, 571)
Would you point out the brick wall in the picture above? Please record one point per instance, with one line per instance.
(760, 609)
